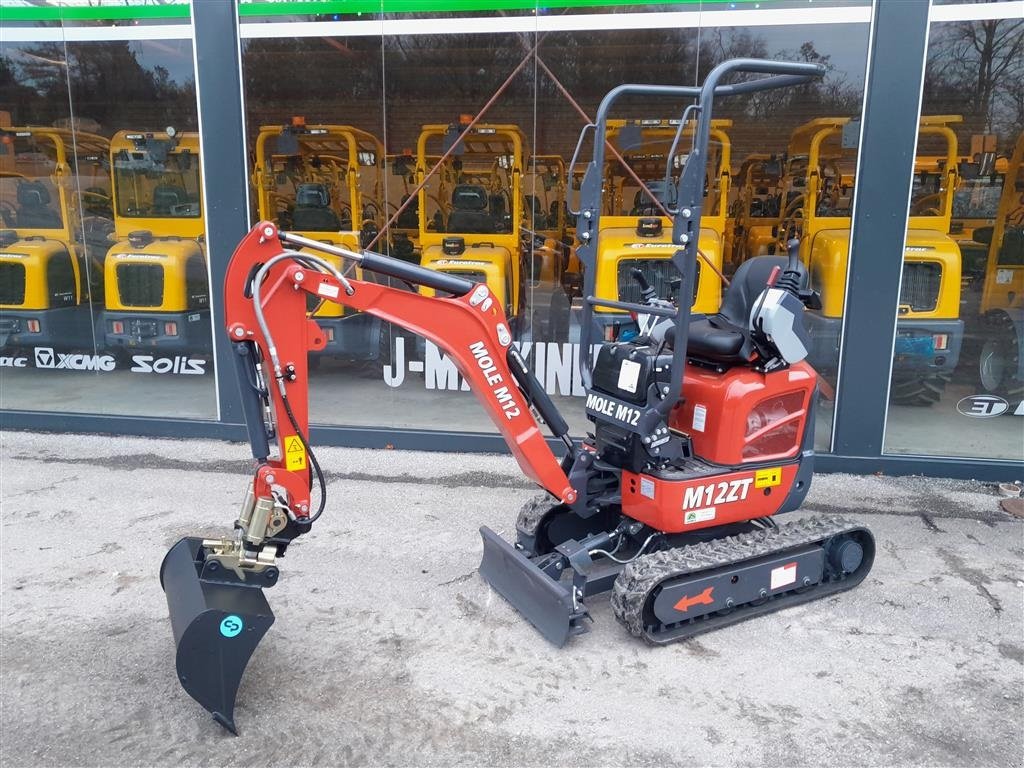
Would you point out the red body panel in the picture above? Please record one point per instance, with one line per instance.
(743, 416)
(704, 502)
(470, 334)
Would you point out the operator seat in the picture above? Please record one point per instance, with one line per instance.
(409, 218)
(165, 197)
(312, 209)
(33, 207)
(469, 214)
(725, 337)
(643, 205)
(536, 208)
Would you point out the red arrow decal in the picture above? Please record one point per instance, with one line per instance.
(704, 598)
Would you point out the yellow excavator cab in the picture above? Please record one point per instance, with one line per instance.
(929, 332)
(1004, 271)
(326, 182)
(55, 220)
(471, 209)
(637, 236)
(157, 289)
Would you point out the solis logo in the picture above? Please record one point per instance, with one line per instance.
(180, 364)
(45, 357)
(982, 406)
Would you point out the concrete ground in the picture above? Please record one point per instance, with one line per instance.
(390, 650)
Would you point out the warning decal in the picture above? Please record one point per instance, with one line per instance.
(783, 576)
(768, 478)
(294, 454)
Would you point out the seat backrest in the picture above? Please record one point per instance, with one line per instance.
(469, 214)
(409, 218)
(747, 283)
(312, 212)
(312, 195)
(166, 196)
(537, 215)
(643, 205)
(1011, 252)
(33, 206)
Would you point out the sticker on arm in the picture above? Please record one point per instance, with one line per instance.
(294, 454)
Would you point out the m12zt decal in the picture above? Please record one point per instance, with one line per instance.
(500, 390)
(626, 415)
(724, 492)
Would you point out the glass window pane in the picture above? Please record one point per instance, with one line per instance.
(99, 165)
(957, 377)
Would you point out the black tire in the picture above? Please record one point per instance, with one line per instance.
(999, 359)
(920, 391)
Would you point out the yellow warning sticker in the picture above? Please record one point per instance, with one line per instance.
(294, 454)
(767, 478)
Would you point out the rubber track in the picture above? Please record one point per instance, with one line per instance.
(533, 511)
(638, 580)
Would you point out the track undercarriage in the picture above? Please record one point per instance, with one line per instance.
(667, 587)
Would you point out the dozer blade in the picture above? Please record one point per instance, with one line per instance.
(216, 625)
(546, 603)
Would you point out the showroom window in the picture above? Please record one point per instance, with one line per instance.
(957, 376)
(103, 246)
(508, 90)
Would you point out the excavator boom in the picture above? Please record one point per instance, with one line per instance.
(214, 587)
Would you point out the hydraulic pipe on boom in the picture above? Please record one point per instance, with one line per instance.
(266, 312)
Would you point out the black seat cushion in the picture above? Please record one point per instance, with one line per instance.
(713, 342)
(316, 220)
(724, 337)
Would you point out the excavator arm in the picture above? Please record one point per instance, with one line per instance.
(214, 587)
(469, 325)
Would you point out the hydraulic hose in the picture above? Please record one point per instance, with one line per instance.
(308, 261)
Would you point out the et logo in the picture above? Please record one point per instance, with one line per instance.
(982, 406)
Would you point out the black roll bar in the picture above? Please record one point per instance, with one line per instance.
(689, 191)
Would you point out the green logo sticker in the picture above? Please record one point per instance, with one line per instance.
(231, 625)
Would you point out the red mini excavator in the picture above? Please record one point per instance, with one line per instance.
(702, 432)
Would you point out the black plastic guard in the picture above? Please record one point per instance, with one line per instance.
(546, 603)
(216, 627)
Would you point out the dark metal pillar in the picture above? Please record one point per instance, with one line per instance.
(888, 139)
(225, 180)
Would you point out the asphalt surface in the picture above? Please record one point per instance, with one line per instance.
(390, 650)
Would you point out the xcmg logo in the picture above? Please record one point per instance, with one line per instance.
(45, 357)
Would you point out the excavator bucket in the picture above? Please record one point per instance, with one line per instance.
(217, 626)
(547, 604)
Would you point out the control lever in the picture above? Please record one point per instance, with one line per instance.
(790, 279)
(647, 293)
(646, 322)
